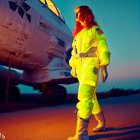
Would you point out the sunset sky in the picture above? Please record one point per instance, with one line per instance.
(120, 21)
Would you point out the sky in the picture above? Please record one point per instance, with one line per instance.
(120, 21)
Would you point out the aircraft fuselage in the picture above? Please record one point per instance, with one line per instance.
(31, 35)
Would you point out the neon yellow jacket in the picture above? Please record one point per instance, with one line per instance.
(87, 67)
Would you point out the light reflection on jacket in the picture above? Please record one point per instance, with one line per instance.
(84, 65)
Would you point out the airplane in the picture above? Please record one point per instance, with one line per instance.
(34, 38)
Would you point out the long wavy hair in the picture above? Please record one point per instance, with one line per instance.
(89, 19)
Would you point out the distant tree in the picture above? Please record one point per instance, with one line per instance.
(116, 92)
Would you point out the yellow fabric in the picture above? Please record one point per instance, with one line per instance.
(87, 68)
(96, 107)
(88, 103)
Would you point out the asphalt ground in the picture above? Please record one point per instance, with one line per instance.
(57, 122)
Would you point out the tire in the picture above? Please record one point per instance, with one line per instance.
(55, 94)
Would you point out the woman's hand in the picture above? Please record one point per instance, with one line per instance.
(104, 73)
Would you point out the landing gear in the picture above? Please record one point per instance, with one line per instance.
(55, 93)
(13, 94)
(2, 94)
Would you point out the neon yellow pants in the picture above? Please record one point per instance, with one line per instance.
(88, 102)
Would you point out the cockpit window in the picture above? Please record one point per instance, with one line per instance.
(52, 7)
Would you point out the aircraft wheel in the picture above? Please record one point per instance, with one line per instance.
(14, 93)
(62, 93)
(2, 94)
(55, 94)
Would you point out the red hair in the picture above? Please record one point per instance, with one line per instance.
(89, 19)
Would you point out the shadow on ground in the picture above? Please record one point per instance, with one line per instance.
(124, 133)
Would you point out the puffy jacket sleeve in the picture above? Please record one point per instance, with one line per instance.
(103, 50)
(72, 60)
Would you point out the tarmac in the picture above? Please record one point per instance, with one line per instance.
(58, 122)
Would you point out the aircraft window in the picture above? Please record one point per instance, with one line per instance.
(13, 5)
(43, 1)
(28, 17)
(25, 6)
(21, 11)
(52, 7)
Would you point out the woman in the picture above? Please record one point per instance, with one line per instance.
(89, 54)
